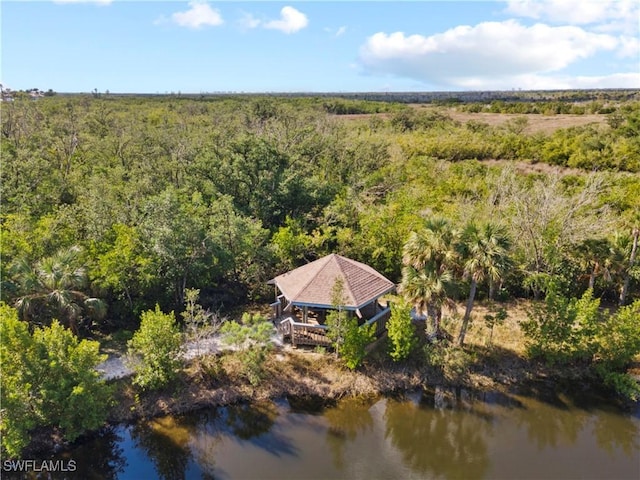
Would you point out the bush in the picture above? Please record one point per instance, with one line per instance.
(252, 338)
(563, 330)
(451, 362)
(559, 329)
(349, 339)
(356, 339)
(48, 379)
(401, 332)
(156, 347)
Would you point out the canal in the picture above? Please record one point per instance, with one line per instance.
(444, 433)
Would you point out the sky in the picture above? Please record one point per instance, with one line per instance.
(201, 46)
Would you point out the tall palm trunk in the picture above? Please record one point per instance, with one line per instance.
(632, 260)
(467, 312)
(594, 273)
(434, 312)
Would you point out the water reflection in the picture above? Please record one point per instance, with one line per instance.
(436, 438)
(345, 421)
(443, 433)
(165, 441)
(107, 466)
(103, 457)
(613, 431)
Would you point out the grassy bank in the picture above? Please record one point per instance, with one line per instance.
(490, 361)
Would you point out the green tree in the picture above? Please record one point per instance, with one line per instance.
(401, 332)
(54, 289)
(349, 339)
(617, 344)
(49, 379)
(239, 246)
(356, 339)
(156, 346)
(484, 251)
(593, 255)
(176, 232)
(121, 263)
(632, 270)
(555, 329)
(337, 318)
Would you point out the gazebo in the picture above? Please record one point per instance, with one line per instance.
(304, 295)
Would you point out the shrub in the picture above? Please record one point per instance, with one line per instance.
(252, 338)
(558, 329)
(156, 346)
(401, 332)
(564, 330)
(356, 339)
(48, 379)
(451, 362)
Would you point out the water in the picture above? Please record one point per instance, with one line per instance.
(445, 434)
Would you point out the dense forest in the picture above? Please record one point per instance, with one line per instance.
(116, 209)
(134, 200)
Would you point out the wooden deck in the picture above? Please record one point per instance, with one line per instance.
(299, 333)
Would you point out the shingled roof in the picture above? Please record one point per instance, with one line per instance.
(312, 283)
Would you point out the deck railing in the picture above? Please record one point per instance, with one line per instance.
(380, 320)
(304, 333)
(300, 333)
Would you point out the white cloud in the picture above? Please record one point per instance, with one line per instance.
(488, 53)
(559, 82)
(601, 15)
(199, 14)
(576, 12)
(629, 47)
(290, 21)
(341, 31)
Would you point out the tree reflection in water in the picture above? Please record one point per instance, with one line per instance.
(439, 441)
(614, 431)
(101, 458)
(170, 442)
(205, 440)
(249, 420)
(552, 424)
(165, 441)
(552, 420)
(348, 418)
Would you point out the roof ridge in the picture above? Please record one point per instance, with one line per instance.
(312, 277)
(340, 259)
(312, 284)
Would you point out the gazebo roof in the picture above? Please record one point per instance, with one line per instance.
(312, 284)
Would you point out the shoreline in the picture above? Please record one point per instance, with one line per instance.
(209, 383)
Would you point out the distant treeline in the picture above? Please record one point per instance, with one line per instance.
(610, 94)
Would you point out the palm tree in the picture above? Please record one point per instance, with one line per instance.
(53, 289)
(428, 292)
(429, 259)
(632, 261)
(594, 257)
(485, 254)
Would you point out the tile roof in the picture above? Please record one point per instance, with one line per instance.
(313, 283)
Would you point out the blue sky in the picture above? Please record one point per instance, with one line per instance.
(348, 46)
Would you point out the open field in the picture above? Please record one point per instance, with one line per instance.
(537, 123)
